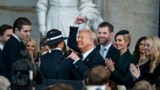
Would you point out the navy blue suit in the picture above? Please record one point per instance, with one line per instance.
(93, 59)
(52, 67)
(113, 53)
(1, 63)
(11, 53)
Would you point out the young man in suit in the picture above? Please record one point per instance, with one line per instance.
(13, 47)
(5, 32)
(105, 47)
(86, 43)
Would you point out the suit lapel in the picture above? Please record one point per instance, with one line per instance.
(109, 51)
(88, 58)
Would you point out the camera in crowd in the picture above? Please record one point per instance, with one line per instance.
(24, 73)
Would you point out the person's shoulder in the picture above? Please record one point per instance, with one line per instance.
(98, 46)
(12, 40)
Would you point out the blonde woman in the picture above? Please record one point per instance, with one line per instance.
(120, 68)
(150, 70)
(32, 49)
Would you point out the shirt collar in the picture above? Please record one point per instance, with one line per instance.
(107, 46)
(85, 54)
(16, 37)
(1, 46)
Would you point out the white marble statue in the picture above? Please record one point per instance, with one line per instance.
(61, 14)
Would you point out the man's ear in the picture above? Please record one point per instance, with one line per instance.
(111, 34)
(16, 30)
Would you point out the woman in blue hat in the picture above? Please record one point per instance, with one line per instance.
(53, 66)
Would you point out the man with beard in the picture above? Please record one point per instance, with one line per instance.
(105, 47)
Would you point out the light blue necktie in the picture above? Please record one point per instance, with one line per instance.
(103, 52)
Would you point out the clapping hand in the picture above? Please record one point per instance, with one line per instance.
(110, 64)
(135, 71)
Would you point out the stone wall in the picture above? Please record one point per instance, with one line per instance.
(140, 17)
(12, 9)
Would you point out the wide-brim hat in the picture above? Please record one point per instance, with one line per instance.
(55, 37)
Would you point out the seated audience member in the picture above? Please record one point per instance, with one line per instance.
(142, 85)
(89, 56)
(150, 70)
(4, 83)
(138, 52)
(113, 86)
(32, 49)
(53, 66)
(5, 32)
(98, 77)
(59, 86)
(119, 68)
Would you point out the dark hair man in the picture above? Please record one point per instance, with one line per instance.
(13, 47)
(105, 47)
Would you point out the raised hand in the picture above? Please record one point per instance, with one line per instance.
(135, 71)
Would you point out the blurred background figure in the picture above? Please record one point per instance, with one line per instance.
(142, 85)
(61, 14)
(32, 49)
(59, 86)
(139, 52)
(43, 46)
(98, 75)
(98, 78)
(4, 83)
(5, 32)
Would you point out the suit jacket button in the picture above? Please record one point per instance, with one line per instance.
(76, 66)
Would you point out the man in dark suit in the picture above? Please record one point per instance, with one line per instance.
(53, 66)
(106, 48)
(5, 32)
(86, 43)
(13, 47)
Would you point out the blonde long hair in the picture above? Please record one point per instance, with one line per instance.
(35, 45)
(154, 42)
